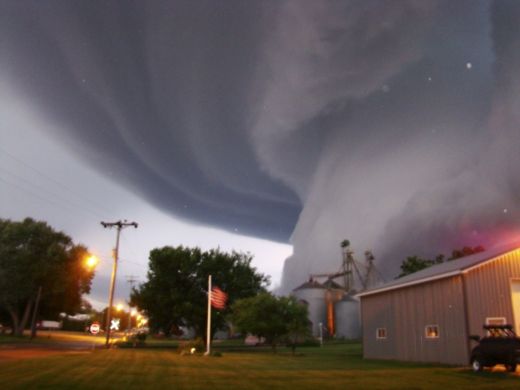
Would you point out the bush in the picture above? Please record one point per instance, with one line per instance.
(134, 340)
(140, 336)
(75, 325)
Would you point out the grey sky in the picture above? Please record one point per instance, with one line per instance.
(391, 123)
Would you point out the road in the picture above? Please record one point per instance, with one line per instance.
(51, 343)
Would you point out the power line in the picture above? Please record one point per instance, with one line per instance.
(54, 195)
(43, 198)
(132, 262)
(132, 280)
(79, 195)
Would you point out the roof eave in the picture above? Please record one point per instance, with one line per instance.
(411, 283)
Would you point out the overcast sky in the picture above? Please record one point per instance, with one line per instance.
(254, 125)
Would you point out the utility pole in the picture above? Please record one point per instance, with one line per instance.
(131, 280)
(119, 225)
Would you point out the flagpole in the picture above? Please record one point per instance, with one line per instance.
(208, 333)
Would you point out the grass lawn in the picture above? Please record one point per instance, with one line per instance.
(331, 367)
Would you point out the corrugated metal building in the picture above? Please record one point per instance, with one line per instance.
(347, 318)
(312, 293)
(428, 316)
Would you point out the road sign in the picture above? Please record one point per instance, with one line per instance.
(94, 328)
(114, 324)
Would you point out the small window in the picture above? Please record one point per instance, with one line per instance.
(495, 320)
(380, 333)
(431, 331)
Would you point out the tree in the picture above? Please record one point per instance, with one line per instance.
(33, 255)
(415, 263)
(175, 293)
(273, 318)
(297, 320)
(466, 251)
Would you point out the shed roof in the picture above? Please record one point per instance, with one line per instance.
(446, 269)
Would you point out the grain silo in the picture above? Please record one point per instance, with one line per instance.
(312, 293)
(333, 304)
(348, 324)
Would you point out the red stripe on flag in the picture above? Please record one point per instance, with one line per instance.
(218, 298)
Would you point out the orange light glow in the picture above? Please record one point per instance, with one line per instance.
(91, 262)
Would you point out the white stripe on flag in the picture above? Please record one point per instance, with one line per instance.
(218, 298)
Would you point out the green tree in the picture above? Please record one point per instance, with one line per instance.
(297, 319)
(415, 263)
(33, 255)
(175, 293)
(466, 251)
(274, 318)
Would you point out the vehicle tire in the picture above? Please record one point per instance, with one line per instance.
(511, 367)
(477, 365)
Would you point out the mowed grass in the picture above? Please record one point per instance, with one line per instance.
(338, 366)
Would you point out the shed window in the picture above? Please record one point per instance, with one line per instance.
(495, 320)
(381, 333)
(431, 331)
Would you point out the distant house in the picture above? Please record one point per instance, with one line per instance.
(428, 316)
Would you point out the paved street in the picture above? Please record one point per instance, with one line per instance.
(52, 343)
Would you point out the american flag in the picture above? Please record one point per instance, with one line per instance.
(218, 298)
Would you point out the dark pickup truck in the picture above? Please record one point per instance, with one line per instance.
(499, 346)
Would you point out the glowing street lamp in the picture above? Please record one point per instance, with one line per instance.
(119, 307)
(91, 262)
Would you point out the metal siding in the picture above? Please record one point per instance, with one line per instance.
(405, 313)
(347, 319)
(489, 290)
(315, 297)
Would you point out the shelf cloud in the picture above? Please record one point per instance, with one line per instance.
(392, 124)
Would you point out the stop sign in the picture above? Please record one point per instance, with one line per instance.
(94, 328)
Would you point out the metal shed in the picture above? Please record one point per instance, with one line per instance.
(429, 315)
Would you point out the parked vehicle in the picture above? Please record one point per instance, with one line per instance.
(49, 325)
(500, 346)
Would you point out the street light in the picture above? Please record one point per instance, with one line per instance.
(91, 262)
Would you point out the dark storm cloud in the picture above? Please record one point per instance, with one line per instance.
(154, 94)
(425, 164)
(393, 124)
